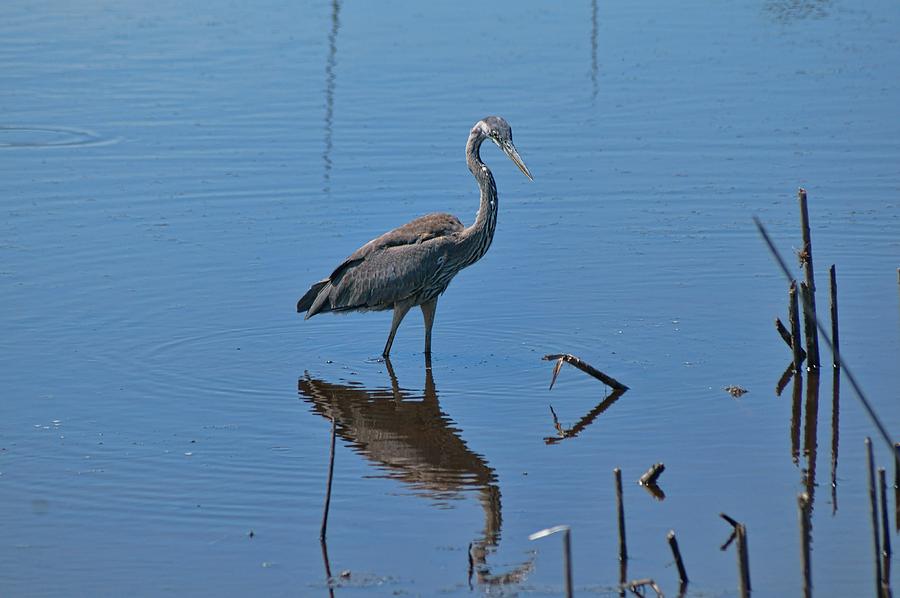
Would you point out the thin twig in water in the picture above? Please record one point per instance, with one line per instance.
(584, 367)
(682, 572)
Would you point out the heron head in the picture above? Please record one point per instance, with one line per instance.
(498, 130)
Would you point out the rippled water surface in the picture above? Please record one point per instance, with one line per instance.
(174, 175)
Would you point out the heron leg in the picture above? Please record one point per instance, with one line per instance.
(400, 310)
(428, 310)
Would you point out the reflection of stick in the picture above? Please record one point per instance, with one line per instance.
(809, 304)
(620, 509)
(794, 320)
(328, 578)
(587, 420)
(885, 533)
(897, 476)
(324, 529)
(652, 475)
(682, 573)
(785, 378)
(584, 367)
(835, 432)
(836, 350)
(803, 504)
(873, 504)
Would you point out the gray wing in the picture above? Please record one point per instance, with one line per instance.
(393, 267)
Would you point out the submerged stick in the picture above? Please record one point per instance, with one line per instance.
(324, 530)
(682, 572)
(620, 511)
(835, 338)
(637, 583)
(805, 568)
(873, 507)
(794, 321)
(809, 307)
(885, 532)
(584, 367)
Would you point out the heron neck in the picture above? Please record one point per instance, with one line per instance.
(480, 234)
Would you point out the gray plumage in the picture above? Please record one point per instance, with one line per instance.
(413, 264)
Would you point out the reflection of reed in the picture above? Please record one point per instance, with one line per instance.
(585, 421)
(796, 407)
(835, 433)
(329, 91)
(594, 49)
(406, 435)
(810, 434)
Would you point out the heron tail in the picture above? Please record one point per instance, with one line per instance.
(309, 298)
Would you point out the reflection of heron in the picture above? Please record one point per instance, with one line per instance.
(413, 441)
(413, 264)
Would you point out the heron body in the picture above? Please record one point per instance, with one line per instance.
(414, 263)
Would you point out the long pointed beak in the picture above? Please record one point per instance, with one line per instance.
(510, 150)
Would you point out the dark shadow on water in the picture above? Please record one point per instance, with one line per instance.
(405, 434)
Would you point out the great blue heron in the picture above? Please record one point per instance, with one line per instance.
(413, 264)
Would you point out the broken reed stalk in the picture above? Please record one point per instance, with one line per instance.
(567, 559)
(324, 530)
(794, 321)
(743, 560)
(809, 306)
(809, 326)
(784, 333)
(620, 510)
(854, 384)
(743, 554)
(584, 367)
(567, 550)
(835, 338)
(805, 563)
(885, 531)
(652, 474)
(873, 504)
(682, 572)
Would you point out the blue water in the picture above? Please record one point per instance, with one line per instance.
(174, 175)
